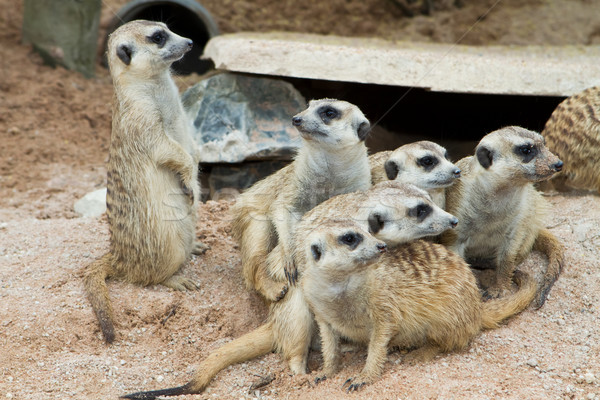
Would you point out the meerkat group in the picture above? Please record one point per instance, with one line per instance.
(334, 239)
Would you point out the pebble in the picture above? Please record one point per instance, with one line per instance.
(9, 395)
(123, 362)
(532, 362)
(589, 378)
(160, 378)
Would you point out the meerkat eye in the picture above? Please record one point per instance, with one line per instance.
(158, 37)
(527, 152)
(350, 239)
(420, 212)
(328, 113)
(427, 162)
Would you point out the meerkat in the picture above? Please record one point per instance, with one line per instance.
(424, 164)
(398, 212)
(501, 213)
(332, 160)
(573, 134)
(417, 295)
(152, 179)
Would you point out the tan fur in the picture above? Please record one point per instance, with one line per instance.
(418, 294)
(501, 213)
(332, 160)
(291, 325)
(152, 170)
(424, 164)
(573, 134)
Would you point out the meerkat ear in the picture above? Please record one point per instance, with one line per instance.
(375, 223)
(484, 156)
(363, 130)
(316, 251)
(392, 169)
(124, 53)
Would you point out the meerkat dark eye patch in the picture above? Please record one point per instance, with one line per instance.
(484, 156)
(428, 162)
(316, 252)
(420, 212)
(159, 38)
(124, 53)
(392, 169)
(376, 223)
(328, 113)
(527, 152)
(351, 239)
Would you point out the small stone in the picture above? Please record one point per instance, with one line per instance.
(589, 378)
(123, 362)
(9, 395)
(532, 362)
(580, 379)
(591, 396)
(160, 378)
(92, 204)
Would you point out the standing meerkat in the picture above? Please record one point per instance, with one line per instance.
(418, 294)
(332, 160)
(501, 213)
(398, 212)
(424, 164)
(152, 179)
(573, 134)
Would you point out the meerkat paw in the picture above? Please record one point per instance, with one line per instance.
(320, 379)
(180, 283)
(274, 291)
(355, 384)
(188, 192)
(200, 248)
(290, 270)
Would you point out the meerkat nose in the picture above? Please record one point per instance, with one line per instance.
(382, 247)
(190, 43)
(454, 222)
(296, 121)
(558, 166)
(457, 173)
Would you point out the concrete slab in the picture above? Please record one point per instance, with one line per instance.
(532, 70)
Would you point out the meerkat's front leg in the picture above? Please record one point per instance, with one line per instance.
(376, 358)
(171, 155)
(330, 350)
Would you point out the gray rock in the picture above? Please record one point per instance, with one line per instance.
(238, 177)
(92, 204)
(64, 32)
(239, 117)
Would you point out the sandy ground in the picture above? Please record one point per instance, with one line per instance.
(54, 132)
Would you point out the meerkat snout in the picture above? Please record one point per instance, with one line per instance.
(558, 166)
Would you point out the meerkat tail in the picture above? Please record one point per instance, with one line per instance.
(253, 344)
(497, 310)
(94, 281)
(548, 244)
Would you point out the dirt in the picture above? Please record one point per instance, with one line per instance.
(54, 133)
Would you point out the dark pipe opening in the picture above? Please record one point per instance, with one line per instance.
(186, 18)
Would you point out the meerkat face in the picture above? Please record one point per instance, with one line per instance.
(144, 48)
(342, 247)
(407, 213)
(517, 153)
(425, 164)
(332, 122)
